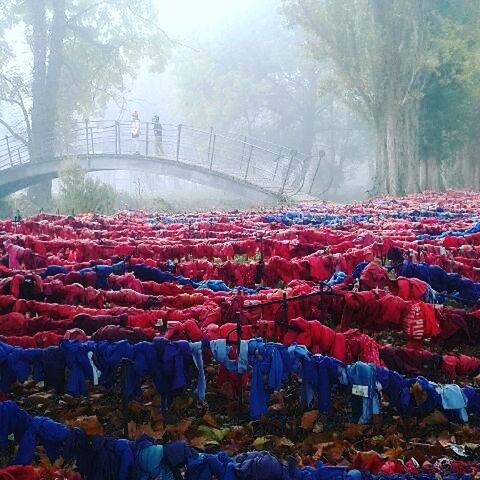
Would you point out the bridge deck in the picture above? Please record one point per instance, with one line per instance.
(205, 157)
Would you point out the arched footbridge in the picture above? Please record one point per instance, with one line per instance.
(237, 164)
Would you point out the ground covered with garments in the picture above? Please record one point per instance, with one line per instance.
(330, 342)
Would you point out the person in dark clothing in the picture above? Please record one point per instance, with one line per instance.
(157, 131)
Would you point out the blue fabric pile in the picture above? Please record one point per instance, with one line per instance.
(441, 281)
(173, 366)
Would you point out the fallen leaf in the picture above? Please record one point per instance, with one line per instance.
(353, 431)
(209, 420)
(435, 418)
(198, 442)
(178, 430)
(309, 419)
(215, 434)
(259, 442)
(283, 442)
(393, 453)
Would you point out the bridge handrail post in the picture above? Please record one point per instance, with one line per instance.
(119, 137)
(91, 140)
(86, 137)
(292, 156)
(146, 138)
(179, 138)
(19, 155)
(316, 173)
(243, 151)
(277, 163)
(209, 144)
(9, 151)
(116, 137)
(248, 163)
(213, 150)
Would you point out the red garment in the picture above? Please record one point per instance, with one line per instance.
(188, 330)
(13, 324)
(411, 288)
(374, 276)
(75, 334)
(19, 473)
(421, 322)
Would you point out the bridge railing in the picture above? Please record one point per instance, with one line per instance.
(269, 167)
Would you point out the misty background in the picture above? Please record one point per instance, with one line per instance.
(237, 66)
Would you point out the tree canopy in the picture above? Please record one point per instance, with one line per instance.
(81, 54)
(409, 66)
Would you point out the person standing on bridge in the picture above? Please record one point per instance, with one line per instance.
(135, 128)
(157, 131)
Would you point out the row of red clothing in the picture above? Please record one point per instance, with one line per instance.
(348, 346)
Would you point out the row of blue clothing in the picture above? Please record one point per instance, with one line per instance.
(316, 219)
(457, 287)
(451, 233)
(193, 220)
(323, 219)
(107, 458)
(454, 284)
(173, 366)
(146, 273)
(102, 272)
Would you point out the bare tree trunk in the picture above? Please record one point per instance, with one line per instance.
(381, 165)
(46, 82)
(39, 42)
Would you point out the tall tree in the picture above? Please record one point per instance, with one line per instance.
(82, 51)
(380, 51)
(449, 113)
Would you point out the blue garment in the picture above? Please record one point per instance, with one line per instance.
(337, 278)
(396, 387)
(174, 370)
(13, 421)
(53, 270)
(145, 273)
(16, 364)
(363, 375)
(7, 374)
(50, 434)
(214, 285)
(473, 399)
(453, 398)
(107, 358)
(304, 218)
(205, 465)
(197, 355)
(458, 233)
(176, 455)
(305, 473)
(432, 402)
(78, 365)
(258, 466)
(359, 268)
(270, 364)
(105, 458)
(319, 375)
(52, 366)
(149, 463)
(221, 350)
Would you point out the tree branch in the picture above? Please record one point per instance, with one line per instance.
(20, 103)
(13, 133)
(90, 7)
